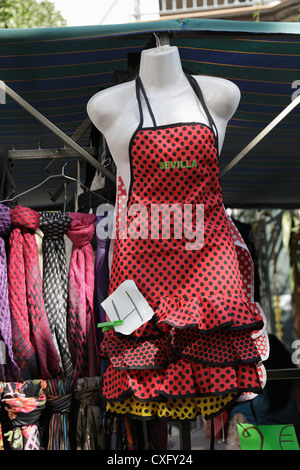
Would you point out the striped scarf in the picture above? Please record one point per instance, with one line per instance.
(59, 398)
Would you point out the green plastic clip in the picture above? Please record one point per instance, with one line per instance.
(109, 325)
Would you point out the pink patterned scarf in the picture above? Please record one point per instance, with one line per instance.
(81, 327)
(33, 344)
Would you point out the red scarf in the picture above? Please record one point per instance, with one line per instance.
(33, 345)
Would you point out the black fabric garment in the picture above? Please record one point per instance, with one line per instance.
(248, 237)
(87, 200)
(7, 186)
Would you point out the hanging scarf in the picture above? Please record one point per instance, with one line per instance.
(101, 275)
(90, 428)
(81, 327)
(24, 403)
(33, 345)
(59, 399)
(55, 282)
(9, 370)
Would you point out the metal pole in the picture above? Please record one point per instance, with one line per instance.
(185, 435)
(261, 135)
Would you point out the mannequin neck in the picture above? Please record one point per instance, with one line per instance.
(160, 67)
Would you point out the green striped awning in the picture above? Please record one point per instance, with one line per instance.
(57, 70)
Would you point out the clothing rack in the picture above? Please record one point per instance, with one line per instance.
(59, 153)
(68, 140)
(57, 156)
(283, 374)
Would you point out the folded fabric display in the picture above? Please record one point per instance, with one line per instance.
(24, 403)
(40, 413)
(49, 369)
(47, 317)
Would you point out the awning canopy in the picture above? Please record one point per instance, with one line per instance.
(57, 70)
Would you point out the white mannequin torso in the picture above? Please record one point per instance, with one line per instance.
(115, 112)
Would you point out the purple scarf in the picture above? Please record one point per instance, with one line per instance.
(9, 371)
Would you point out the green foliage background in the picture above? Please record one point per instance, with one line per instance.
(29, 14)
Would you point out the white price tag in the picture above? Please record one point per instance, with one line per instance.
(127, 303)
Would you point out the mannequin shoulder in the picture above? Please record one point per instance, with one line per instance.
(221, 95)
(107, 105)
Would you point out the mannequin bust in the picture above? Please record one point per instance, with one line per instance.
(115, 112)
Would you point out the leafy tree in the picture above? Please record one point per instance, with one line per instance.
(29, 14)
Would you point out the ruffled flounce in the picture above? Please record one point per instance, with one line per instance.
(215, 330)
(179, 380)
(220, 348)
(192, 347)
(173, 410)
(209, 313)
(125, 352)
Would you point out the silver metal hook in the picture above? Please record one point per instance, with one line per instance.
(63, 170)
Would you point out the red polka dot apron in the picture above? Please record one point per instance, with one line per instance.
(203, 348)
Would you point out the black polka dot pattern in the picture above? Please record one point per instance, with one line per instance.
(199, 341)
(181, 379)
(218, 348)
(127, 353)
(209, 313)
